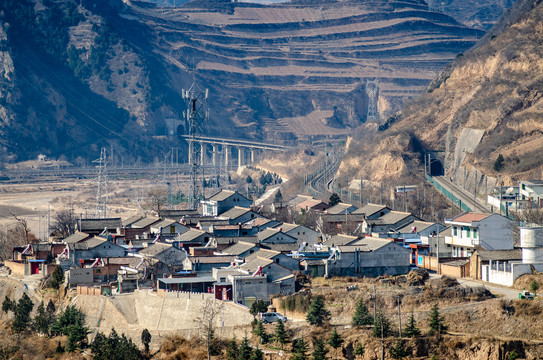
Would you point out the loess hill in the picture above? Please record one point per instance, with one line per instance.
(487, 103)
(79, 75)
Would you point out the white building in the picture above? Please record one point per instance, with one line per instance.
(471, 231)
(532, 190)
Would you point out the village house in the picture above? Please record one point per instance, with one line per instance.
(191, 238)
(98, 226)
(532, 190)
(391, 220)
(206, 264)
(311, 204)
(369, 256)
(223, 201)
(340, 239)
(277, 257)
(414, 229)
(233, 230)
(471, 231)
(372, 211)
(302, 234)
(76, 237)
(165, 253)
(168, 228)
(239, 215)
(222, 243)
(272, 236)
(241, 249)
(261, 223)
(93, 248)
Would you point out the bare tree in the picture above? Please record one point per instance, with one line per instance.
(157, 198)
(206, 322)
(64, 224)
(15, 235)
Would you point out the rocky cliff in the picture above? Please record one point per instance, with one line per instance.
(484, 112)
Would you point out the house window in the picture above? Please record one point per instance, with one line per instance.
(475, 233)
(277, 260)
(468, 232)
(222, 279)
(455, 231)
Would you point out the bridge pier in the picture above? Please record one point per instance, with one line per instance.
(253, 151)
(227, 154)
(241, 152)
(202, 152)
(214, 156)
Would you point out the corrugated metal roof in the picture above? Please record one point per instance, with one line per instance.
(394, 217)
(146, 221)
(263, 253)
(340, 208)
(419, 225)
(370, 209)
(94, 225)
(75, 238)
(340, 239)
(190, 235)
(513, 254)
(371, 243)
(235, 212)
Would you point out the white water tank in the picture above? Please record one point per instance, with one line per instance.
(531, 242)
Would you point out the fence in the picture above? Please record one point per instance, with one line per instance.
(448, 194)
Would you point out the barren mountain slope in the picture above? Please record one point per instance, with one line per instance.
(495, 88)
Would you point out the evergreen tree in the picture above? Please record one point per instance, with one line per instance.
(335, 342)
(411, 329)
(42, 320)
(260, 331)
(498, 164)
(281, 335)
(71, 322)
(361, 315)
(257, 354)
(8, 305)
(382, 326)
(300, 349)
(245, 350)
(317, 313)
(258, 306)
(399, 351)
(22, 314)
(359, 350)
(51, 308)
(57, 278)
(334, 199)
(249, 179)
(114, 347)
(232, 350)
(146, 340)
(319, 350)
(534, 286)
(278, 197)
(59, 349)
(436, 322)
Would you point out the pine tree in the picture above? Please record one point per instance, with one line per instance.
(245, 350)
(260, 331)
(258, 306)
(382, 326)
(281, 335)
(257, 354)
(359, 350)
(411, 329)
(334, 199)
(299, 349)
(22, 314)
(232, 350)
(278, 197)
(57, 278)
(317, 313)
(71, 322)
(399, 351)
(51, 308)
(146, 340)
(319, 350)
(361, 315)
(335, 342)
(42, 320)
(436, 322)
(8, 305)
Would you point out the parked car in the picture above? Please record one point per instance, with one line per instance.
(526, 295)
(270, 317)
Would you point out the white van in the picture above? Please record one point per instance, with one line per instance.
(270, 317)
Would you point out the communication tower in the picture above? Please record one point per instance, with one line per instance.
(196, 116)
(372, 89)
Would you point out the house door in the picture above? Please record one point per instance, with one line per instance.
(34, 268)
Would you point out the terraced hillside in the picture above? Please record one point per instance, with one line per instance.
(297, 70)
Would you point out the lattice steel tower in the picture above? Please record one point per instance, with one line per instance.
(196, 116)
(101, 192)
(372, 89)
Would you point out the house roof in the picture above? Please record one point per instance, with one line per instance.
(310, 203)
(239, 248)
(94, 225)
(90, 243)
(222, 195)
(416, 225)
(456, 262)
(339, 208)
(75, 238)
(260, 222)
(469, 217)
(267, 233)
(155, 249)
(371, 243)
(394, 217)
(177, 214)
(313, 262)
(284, 278)
(235, 212)
(286, 227)
(146, 221)
(253, 264)
(215, 259)
(370, 209)
(341, 239)
(235, 239)
(187, 280)
(132, 220)
(190, 235)
(298, 199)
(532, 182)
(215, 222)
(165, 223)
(513, 254)
(263, 253)
(280, 247)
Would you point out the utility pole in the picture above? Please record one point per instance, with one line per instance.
(404, 198)
(361, 191)
(374, 305)
(400, 316)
